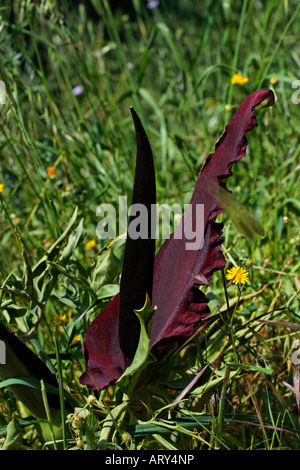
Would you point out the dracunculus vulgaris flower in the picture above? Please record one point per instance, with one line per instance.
(172, 277)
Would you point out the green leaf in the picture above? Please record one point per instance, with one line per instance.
(110, 290)
(265, 370)
(108, 264)
(142, 356)
(91, 425)
(13, 439)
(39, 268)
(30, 382)
(197, 420)
(73, 241)
(242, 217)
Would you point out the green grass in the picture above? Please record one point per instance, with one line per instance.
(174, 66)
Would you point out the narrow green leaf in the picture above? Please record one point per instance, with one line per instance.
(91, 424)
(73, 242)
(61, 393)
(193, 421)
(108, 264)
(30, 382)
(265, 370)
(48, 413)
(13, 439)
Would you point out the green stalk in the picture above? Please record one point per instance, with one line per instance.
(222, 402)
(110, 423)
(61, 394)
(10, 221)
(225, 291)
(231, 328)
(48, 414)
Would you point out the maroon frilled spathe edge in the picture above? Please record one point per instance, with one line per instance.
(179, 305)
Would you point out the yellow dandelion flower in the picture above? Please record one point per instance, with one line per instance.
(238, 79)
(51, 172)
(237, 275)
(90, 244)
(1, 187)
(273, 80)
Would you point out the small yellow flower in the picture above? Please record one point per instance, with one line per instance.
(273, 80)
(210, 103)
(238, 79)
(237, 275)
(228, 107)
(60, 319)
(80, 444)
(179, 33)
(51, 172)
(90, 244)
(75, 339)
(1, 187)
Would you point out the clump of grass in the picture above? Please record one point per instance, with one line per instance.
(61, 149)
